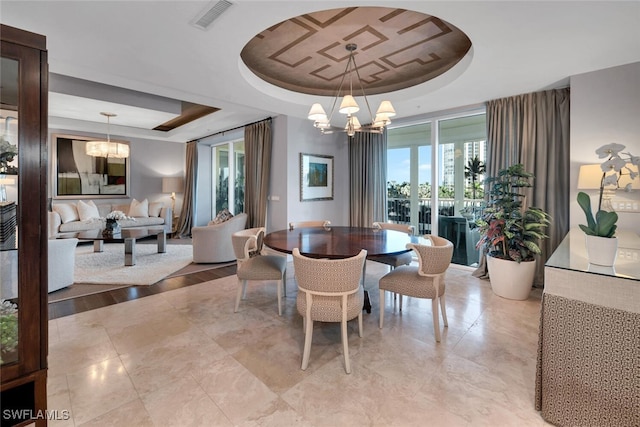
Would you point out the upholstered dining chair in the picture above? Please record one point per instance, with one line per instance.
(329, 291)
(301, 224)
(394, 261)
(424, 281)
(252, 265)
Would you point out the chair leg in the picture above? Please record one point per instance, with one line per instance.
(400, 302)
(345, 346)
(239, 294)
(284, 282)
(444, 311)
(307, 343)
(360, 324)
(381, 304)
(280, 285)
(436, 316)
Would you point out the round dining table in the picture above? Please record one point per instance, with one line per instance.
(340, 242)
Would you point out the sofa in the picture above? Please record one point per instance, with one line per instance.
(68, 217)
(212, 243)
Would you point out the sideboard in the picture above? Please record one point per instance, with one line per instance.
(588, 368)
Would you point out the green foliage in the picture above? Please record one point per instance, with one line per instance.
(473, 170)
(8, 327)
(507, 230)
(604, 223)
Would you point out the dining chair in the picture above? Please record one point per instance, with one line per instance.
(394, 261)
(424, 281)
(252, 265)
(300, 224)
(329, 291)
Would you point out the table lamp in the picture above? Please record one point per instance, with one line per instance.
(173, 185)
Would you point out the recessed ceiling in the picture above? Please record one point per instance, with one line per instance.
(397, 49)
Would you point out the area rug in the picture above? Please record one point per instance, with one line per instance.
(108, 267)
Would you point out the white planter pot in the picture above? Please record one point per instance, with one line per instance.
(510, 279)
(601, 250)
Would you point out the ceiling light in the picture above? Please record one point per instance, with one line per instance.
(349, 106)
(107, 148)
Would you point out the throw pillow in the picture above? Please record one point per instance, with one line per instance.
(87, 211)
(223, 215)
(155, 208)
(139, 209)
(67, 212)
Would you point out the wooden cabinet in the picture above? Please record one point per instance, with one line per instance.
(23, 182)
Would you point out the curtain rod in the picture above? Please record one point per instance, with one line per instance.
(232, 129)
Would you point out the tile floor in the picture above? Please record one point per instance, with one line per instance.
(183, 358)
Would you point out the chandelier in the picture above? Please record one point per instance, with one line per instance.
(107, 148)
(349, 106)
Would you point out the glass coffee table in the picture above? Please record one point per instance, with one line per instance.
(128, 236)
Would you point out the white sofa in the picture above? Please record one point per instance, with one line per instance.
(62, 263)
(64, 217)
(212, 243)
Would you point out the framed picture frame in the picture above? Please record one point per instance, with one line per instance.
(316, 177)
(77, 175)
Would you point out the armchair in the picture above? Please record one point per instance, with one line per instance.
(62, 263)
(212, 243)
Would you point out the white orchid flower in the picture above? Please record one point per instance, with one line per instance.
(614, 163)
(611, 179)
(609, 150)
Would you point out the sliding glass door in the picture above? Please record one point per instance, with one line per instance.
(435, 179)
(228, 177)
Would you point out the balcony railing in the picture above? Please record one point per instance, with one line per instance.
(460, 232)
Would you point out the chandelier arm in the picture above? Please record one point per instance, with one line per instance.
(366, 101)
(344, 75)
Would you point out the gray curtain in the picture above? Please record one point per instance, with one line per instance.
(257, 147)
(533, 129)
(186, 219)
(367, 178)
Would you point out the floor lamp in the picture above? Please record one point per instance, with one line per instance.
(173, 185)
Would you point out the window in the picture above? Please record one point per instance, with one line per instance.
(228, 177)
(417, 158)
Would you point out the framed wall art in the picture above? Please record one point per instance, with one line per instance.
(316, 177)
(77, 175)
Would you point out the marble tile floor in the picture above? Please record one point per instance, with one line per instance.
(183, 358)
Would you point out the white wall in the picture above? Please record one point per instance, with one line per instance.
(150, 160)
(302, 137)
(605, 108)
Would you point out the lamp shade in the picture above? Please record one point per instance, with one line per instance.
(172, 184)
(317, 113)
(589, 177)
(386, 109)
(349, 105)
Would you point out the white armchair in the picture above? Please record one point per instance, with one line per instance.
(212, 243)
(62, 263)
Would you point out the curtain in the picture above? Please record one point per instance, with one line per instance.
(368, 178)
(533, 129)
(186, 219)
(257, 147)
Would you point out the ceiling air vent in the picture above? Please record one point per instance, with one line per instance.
(209, 14)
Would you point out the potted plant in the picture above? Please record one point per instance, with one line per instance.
(509, 233)
(600, 229)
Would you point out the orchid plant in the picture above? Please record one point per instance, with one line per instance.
(617, 165)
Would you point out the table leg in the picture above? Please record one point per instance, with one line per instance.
(98, 246)
(162, 242)
(367, 302)
(129, 251)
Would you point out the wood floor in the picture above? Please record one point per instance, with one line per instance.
(91, 302)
